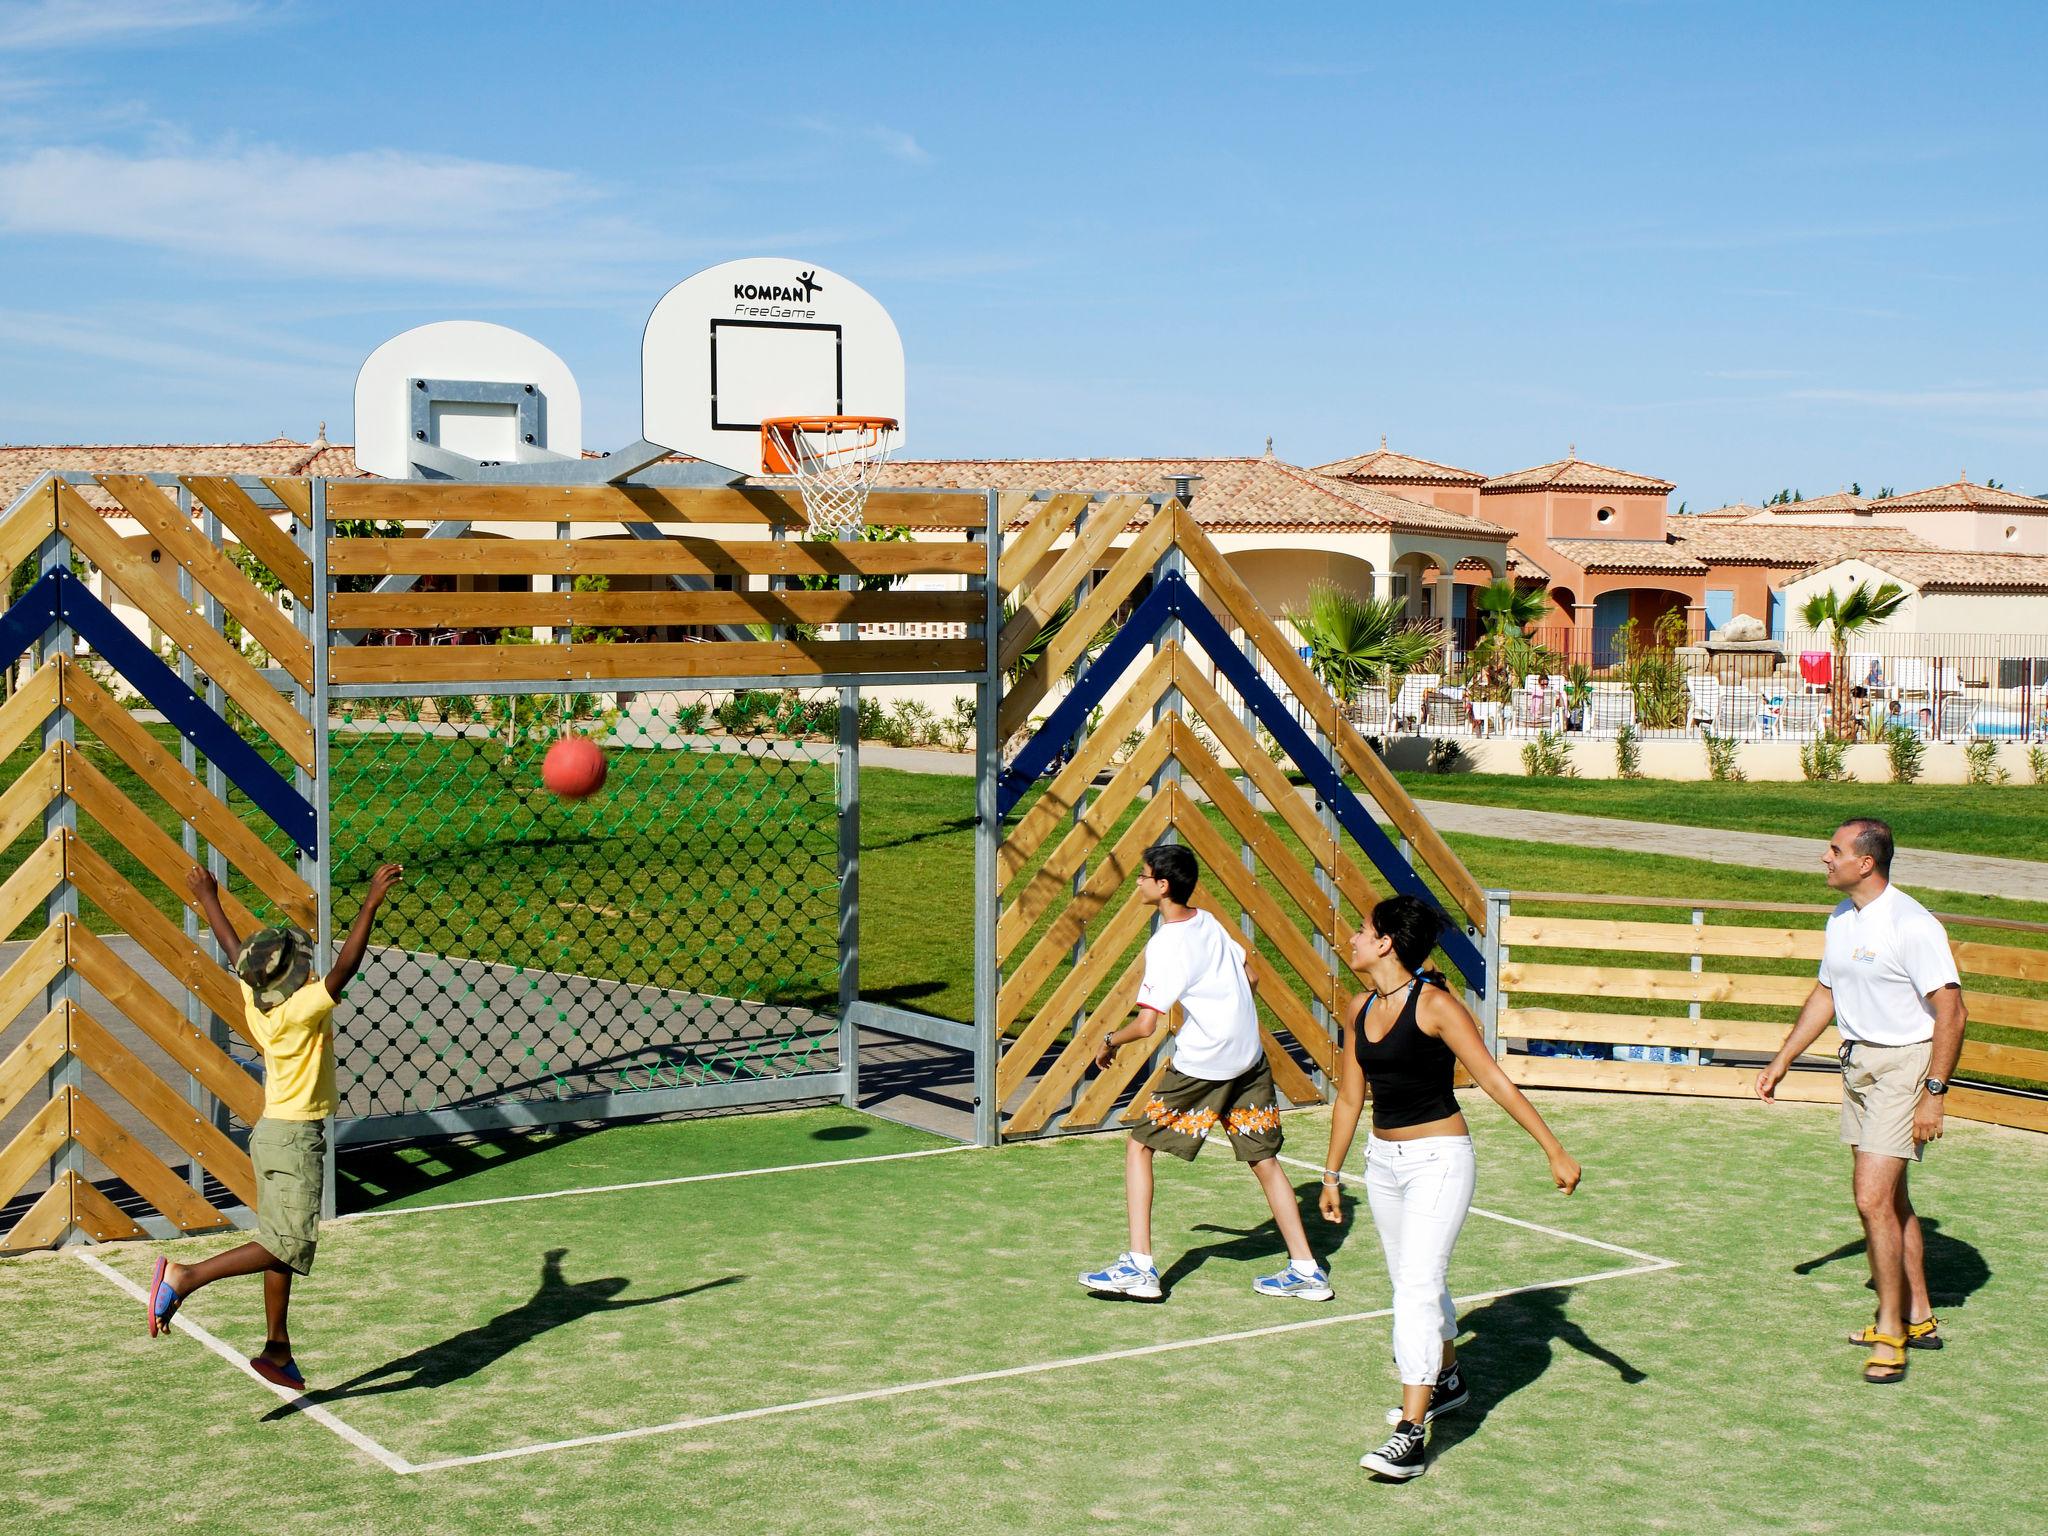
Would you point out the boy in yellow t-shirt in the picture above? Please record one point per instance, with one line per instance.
(289, 1014)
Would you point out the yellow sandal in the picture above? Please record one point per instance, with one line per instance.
(1921, 1335)
(1895, 1369)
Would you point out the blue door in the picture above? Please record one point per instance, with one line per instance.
(1610, 612)
(1777, 615)
(1720, 607)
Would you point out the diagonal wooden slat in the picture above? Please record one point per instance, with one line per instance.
(1271, 782)
(1135, 1111)
(1034, 541)
(1071, 995)
(148, 1010)
(296, 494)
(98, 797)
(1053, 880)
(47, 1220)
(213, 570)
(1115, 870)
(98, 1217)
(1100, 1096)
(33, 703)
(38, 1051)
(166, 1108)
(33, 520)
(253, 526)
(1288, 872)
(225, 665)
(100, 883)
(1072, 1063)
(1065, 648)
(1220, 866)
(1053, 808)
(23, 802)
(1081, 557)
(22, 983)
(1222, 586)
(23, 893)
(1291, 1011)
(137, 1167)
(35, 1144)
(185, 794)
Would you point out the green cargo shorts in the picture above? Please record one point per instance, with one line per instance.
(1181, 1114)
(290, 1157)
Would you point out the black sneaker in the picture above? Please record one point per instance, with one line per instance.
(1450, 1392)
(1401, 1457)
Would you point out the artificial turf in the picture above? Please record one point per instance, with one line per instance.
(1709, 1397)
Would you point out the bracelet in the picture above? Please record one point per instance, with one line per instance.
(1332, 1176)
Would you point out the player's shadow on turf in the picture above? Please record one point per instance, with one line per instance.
(1261, 1243)
(558, 1301)
(1512, 1341)
(1955, 1269)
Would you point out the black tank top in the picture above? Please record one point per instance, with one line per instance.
(1410, 1072)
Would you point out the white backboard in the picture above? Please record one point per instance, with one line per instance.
(760, 338)
(524, 386)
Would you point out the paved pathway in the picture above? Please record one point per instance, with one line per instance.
(1915, 868)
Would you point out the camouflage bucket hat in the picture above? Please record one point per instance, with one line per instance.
(275, 964)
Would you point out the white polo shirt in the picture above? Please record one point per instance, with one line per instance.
(1880, 962)
(1198, 964)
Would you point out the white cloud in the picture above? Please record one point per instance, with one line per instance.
(144, 347)
(893, 142)
(46, 24)
(1968, 401)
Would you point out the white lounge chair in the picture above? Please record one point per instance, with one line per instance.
(1415, 687)
(1609, 710)
(1702, 699)
(1370, 712)
(1735, 712)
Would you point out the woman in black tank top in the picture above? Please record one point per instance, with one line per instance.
(1405, 1038)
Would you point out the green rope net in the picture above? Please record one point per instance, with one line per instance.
(677, 928)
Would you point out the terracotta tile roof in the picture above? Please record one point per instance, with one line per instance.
(1960, 495)
(1234, 494)
(1383, 465)
(1618, 555)
(1522, 566)
(1841, 501)
(21, 466)
(1573, 473)
(1958, 571)
(1789, 545)
(1734, 512)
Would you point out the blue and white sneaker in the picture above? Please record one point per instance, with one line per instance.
(1313, 1286)
(1125, 1278)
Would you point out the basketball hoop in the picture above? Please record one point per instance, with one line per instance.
(833, 460)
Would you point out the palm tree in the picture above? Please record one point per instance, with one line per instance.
(1504, 651)
(1844, 616)
(1353, 641)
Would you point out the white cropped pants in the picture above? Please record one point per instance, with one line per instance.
(1420, 1191)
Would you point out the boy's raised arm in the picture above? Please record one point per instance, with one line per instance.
(206, 896)
(350, 960)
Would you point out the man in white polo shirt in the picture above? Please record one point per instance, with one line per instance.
(1888, 980)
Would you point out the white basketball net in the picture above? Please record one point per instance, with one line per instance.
(834, 465)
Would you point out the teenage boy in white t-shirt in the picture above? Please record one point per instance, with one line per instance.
(1218, 1077)
(1888, 980)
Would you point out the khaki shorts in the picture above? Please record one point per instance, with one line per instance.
(290, 1157)
(1880, 1086)
(1180, 1116)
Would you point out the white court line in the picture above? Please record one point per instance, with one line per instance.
(938, 1384)
(1516, 1221)
(687, 1178)
(313, 1411)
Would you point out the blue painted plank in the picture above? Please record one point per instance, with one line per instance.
(25, 622)
(268, 790)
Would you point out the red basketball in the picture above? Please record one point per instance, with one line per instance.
(574, 768)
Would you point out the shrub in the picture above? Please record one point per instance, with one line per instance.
(1549, 756)
(745, 712)
(1722, 754)
(690, 717)
(2037, 764)
(458, 708)
(915, 723)
(1824, 760)
(1652, 670)
(1445, 755)
(1981, 756)
(1907, 750)
(1628, 753)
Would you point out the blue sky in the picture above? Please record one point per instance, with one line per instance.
(1740, 246)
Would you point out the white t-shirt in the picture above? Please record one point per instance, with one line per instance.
(1198, 964)
(1881, 961)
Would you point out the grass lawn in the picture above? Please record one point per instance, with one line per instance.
(786, 1352)
(2004, 821)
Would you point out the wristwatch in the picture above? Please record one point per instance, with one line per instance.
(1937, 1086)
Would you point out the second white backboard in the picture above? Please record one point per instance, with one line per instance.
(765, 337)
